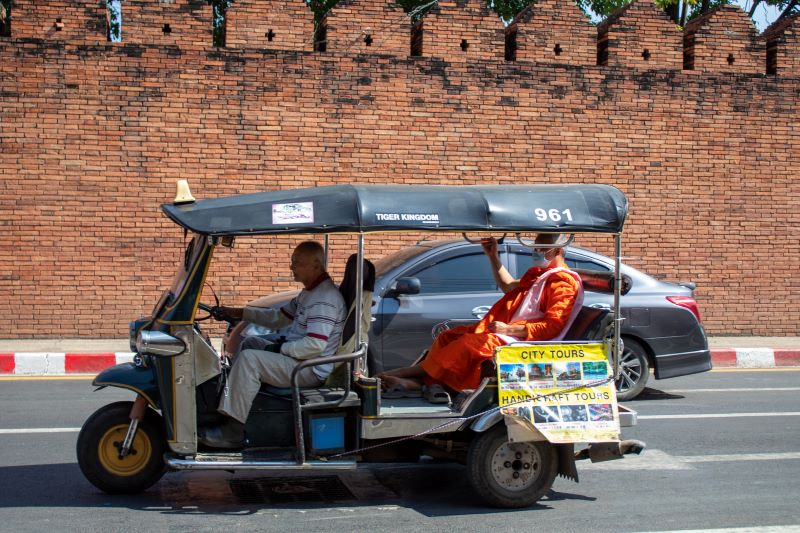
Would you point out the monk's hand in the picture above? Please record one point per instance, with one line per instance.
(489, 245)
(498, 327)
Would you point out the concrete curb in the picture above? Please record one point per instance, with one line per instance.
(58, 364)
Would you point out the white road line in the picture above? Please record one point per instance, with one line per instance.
(660, 460)
(738, 457)
(794, 528)
(765, 389)
(26, 431)
(716, 415)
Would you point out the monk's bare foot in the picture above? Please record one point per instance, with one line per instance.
(405, 383)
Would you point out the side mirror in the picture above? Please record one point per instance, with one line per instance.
(406, 286)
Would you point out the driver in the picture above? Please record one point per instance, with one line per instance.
(540, 306)
(316, 318)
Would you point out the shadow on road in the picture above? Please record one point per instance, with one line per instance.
(435, 490)
(655, 394)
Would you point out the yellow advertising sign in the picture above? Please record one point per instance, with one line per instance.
(564, 390)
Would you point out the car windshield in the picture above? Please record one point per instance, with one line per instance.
(388, 262)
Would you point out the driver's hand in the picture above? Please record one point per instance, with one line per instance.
(224, 313)
(489, 245)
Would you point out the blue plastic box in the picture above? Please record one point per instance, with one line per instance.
(327, 432)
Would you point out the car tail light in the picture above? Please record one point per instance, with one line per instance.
(687, 302)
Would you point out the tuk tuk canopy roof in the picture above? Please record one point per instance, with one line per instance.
(378, 208)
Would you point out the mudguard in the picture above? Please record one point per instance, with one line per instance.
(129, 376)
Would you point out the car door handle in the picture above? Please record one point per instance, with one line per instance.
(480, 311)
(601, 306)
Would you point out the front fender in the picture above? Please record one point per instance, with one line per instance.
(129, 376)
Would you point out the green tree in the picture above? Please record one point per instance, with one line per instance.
(5, 17)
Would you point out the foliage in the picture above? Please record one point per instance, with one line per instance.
(114, 21)
(5, 16)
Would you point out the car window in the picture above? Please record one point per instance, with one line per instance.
(466, 273)
(523, 263)
(586, 264)
(388, 262)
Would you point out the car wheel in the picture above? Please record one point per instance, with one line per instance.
(634, 370)
(510, 474)
(98, 450)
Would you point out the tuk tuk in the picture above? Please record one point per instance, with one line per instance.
(514, 432)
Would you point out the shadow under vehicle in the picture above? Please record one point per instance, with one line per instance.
(177, 375)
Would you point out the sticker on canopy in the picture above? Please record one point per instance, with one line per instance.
(411, 218)
(297, 213)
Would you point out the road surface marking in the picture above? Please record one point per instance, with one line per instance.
(776, 369)
(744, 529)
(659, 460)
(765, 389)
(716, 415)
(26, 431)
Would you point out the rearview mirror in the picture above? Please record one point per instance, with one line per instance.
(406, 286)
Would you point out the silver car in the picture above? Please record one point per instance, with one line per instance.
(422, 285)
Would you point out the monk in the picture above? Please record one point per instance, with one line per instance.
(540, 306)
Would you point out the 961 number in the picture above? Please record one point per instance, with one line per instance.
(553, 215)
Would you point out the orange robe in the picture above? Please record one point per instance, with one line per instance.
(456, 356)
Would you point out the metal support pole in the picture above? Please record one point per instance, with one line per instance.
(359, 363)
(617, 290)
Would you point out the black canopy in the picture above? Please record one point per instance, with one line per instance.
(375, 208)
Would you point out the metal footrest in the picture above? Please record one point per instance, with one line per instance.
(239, 461)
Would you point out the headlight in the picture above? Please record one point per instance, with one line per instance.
(158, 343)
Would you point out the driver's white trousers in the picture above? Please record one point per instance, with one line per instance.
(253, 367)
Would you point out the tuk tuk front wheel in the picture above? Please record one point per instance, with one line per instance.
(510, 475)
(100, 440)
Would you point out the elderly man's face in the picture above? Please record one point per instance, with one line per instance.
(305, 268)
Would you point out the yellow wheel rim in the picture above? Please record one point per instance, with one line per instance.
(131, 464)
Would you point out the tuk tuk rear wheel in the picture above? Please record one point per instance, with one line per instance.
(510, 475)
(98, 450)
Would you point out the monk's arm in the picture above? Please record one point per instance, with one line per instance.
(504, 280)
(561, 295)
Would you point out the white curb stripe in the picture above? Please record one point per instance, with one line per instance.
(39, 363)
(124, 357)
(755, 357)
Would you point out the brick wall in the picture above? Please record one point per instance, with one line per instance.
(167, 22)
(60, 20)
(640, 35)
(782, 40)
(461, 30)
(94, 136)
(724, 40)
(554, 31)
(366, 26)
(275, 24)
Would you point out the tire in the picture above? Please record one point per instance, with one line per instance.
(497, 469)
(99, 439)
(633, 372)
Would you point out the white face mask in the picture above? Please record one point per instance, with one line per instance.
(539, 259)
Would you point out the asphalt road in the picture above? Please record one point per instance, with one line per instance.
(723, 452)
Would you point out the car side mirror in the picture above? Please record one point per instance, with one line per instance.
(406, 286)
